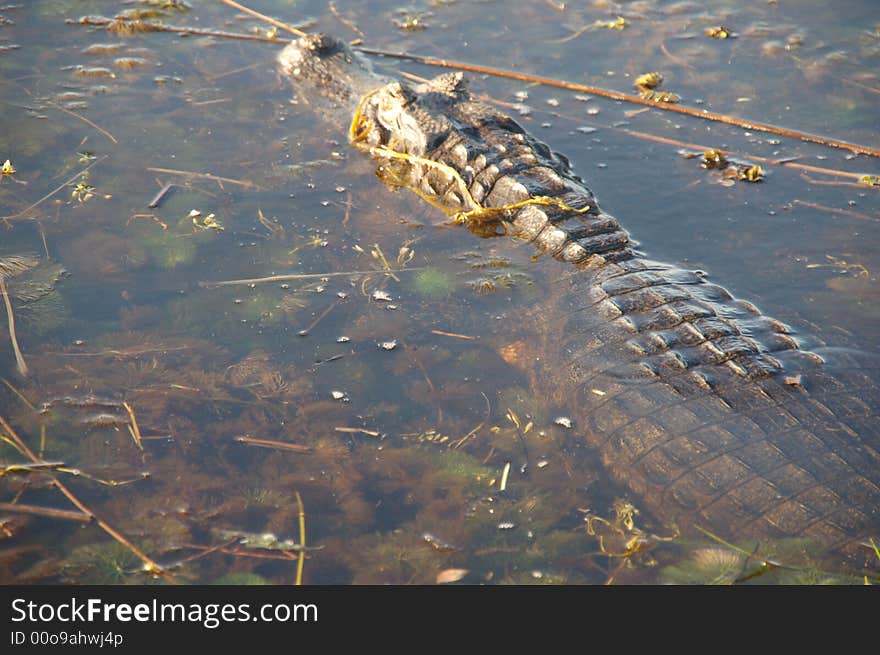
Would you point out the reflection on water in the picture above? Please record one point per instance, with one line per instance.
(363, 354)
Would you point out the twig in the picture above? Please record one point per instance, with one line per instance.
(158, 27)
(347, 23)
(237, 552)
(263, 17)
(19, 360)
(149, 564)
(851, 185)
(51, 512)
(300, 562)
(371, 433)
(268, 443)
(454, 335)
(321, 317)
(835, 210)
(301, 276)
(157, 199)
(625, 97)
(207, 176)
(53, 192)
(133, 428)
(84, 120)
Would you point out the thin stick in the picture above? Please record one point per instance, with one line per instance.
(321, 317)
(835, 210)
(302, 276)
(21, 396)
(133, 428)
(347, 23)
(271, 21)
(51, 512)
(237, 552)
(53, 192)
(371, 433)
(157, 199)
(149, 564)
(84, 120)
(206, 176)
(301, 559)
(157, 27)
(269, 443)
(625, 97)
(19, 360)
(454, 335)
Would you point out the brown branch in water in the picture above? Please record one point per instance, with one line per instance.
(835, 210)
(852, 185)
(207, 176)
(269, 443)
(625, 97)
(347, 23)
(19, 359)
(144, 26)
(454, 335)
(321, 317)
(84, 120)
(51, 512)
(238, 552)
(160, 195)
(149, 564)
(264, 17)
(133, 428)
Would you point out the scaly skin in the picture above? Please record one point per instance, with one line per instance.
(706, 410)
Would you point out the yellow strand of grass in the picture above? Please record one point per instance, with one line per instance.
(357, 133)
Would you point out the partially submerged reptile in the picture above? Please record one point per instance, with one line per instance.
(706, 410)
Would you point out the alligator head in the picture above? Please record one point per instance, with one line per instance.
(328, 75)
(341, 85)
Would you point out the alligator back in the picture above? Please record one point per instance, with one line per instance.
(709, 412)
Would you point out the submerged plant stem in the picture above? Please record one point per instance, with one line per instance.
(19, 359)
(149, 564)
(301, 556)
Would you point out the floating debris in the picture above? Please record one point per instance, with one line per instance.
(381, 296)
(564, 421)
(714, 158)
(7, 168)
(209, 222)
(648, 84)
(451, 575)
(506, 525)
(649, 80)
(388, 345)
(339, 395)
(720, 32)
(343, 339)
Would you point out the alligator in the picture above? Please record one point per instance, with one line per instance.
(710, 413)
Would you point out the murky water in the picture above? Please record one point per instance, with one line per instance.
(366, 382)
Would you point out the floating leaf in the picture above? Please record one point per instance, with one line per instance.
(451, 575)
